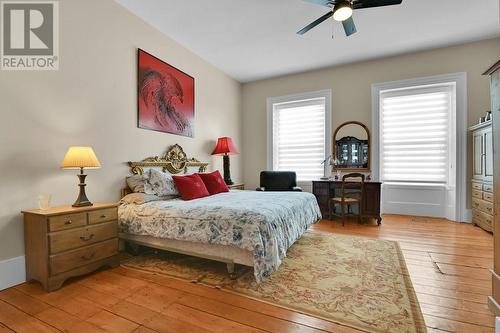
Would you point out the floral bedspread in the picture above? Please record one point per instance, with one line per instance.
(267, 223)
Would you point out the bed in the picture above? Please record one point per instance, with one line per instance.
(238, 227)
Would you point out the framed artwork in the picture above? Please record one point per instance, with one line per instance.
(165, 97)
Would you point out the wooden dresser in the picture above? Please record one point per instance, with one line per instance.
(482, 175)
(62, 242)
(326, 189)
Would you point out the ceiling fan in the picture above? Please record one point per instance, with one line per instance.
(341, 10)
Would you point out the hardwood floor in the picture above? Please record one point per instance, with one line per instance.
(448, 263)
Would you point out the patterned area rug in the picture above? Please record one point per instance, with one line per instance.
(358, 282)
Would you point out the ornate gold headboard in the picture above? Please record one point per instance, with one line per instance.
(174, 161)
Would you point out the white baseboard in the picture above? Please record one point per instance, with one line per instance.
(12, 272)
(467, 216)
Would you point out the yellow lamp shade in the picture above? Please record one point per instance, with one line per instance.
(80, 157)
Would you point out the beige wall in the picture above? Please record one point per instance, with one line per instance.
(351, 90)
(91, 100)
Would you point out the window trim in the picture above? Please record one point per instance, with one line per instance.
(327, 95)
(460, 79)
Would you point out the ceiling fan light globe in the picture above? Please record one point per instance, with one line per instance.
(342, 11)
(342, 14)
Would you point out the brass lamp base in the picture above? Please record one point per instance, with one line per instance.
(82, 200)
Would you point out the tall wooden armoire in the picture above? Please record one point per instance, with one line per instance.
(494, 73)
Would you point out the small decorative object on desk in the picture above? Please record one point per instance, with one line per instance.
(44, 201)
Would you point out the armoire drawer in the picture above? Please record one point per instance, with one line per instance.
(488, 196)
(482, 205)
(477, 186)
(488, 188)
(477, 194)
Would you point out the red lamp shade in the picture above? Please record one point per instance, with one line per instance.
(225, 146)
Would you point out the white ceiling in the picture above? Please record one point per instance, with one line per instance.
(255, 39)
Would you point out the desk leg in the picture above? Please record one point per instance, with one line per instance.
(379, 220)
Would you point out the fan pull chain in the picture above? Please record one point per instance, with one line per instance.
(333, 26)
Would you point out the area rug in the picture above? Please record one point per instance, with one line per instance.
(353, 281)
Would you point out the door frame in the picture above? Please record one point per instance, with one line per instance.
(462, 214)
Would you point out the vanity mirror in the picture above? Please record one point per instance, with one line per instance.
(351, 147)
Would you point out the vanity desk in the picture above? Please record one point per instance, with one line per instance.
(326, 189)
(351, 154)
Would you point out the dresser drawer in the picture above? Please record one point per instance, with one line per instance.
(63, 262)
(488, 188)
(63, 222)
(75, 238)
(488, 196)
(477, 186)
(477, 194)
(103, 215)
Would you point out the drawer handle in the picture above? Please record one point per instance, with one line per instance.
(103, 216)
(489, 209)
(88, 257)
(86, 239)
(68, 222)
(476, 204)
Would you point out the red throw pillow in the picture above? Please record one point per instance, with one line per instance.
(214, 182)
(190, 187)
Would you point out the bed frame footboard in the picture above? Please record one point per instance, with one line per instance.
(134, 245)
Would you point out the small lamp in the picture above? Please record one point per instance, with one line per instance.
(80, 158)
(225, 147)
(330, 160)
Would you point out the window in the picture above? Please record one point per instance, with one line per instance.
(415, 130)
(299, 135)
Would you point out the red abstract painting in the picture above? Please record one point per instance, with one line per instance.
(165, 97)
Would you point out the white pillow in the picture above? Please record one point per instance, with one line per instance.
(136, 183)
(160, 184)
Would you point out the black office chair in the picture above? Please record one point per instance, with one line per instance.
(278, 181)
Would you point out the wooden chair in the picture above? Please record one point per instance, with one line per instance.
(351, 195)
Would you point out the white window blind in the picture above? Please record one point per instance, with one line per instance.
(299, 139)
(415, 134)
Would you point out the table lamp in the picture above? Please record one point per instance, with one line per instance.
(225, 147)
(80, 158)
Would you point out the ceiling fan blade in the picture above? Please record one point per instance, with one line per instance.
(349, 26)
(360, 4)
(327, 3)
(315, 23)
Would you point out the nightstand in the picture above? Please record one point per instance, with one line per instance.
(62, 242)
(237, 186)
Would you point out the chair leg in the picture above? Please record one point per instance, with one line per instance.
(343, 214)
(330, 210)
